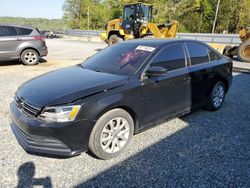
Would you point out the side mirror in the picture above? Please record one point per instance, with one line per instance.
(156, 72)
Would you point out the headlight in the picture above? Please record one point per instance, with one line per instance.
(60, 113)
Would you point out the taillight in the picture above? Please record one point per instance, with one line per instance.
(39, 38)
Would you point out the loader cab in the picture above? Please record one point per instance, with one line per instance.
(138, 11)
(134, 16)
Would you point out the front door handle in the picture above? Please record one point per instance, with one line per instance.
(187, 79)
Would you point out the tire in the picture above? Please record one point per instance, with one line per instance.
(104, 140)
(114, 39)
(244, 52)
(216, 97)
(29, 57)
(226, 51)
(148, 37)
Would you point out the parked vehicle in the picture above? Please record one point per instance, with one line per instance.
(122, 90)
(51, 34)
(21, 43)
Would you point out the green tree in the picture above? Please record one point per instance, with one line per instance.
(193, 15)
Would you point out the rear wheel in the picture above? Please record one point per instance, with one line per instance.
(244, 52)
(114, 39)
(29, 57)
(111, 134)
(216, 97)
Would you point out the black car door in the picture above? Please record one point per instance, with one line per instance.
(200, 72)
(167, 95)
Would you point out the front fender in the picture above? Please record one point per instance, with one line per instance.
(129, 100)
(95, 108)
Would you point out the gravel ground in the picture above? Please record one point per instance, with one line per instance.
(203, 149)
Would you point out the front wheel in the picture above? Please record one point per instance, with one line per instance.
(111, 134)
(29, 57)
(114, 39)
(216, 97)
(226, 51)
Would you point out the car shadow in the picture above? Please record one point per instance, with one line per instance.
(211, 151)
(17, 62)
(99, 49)
(48, 155)
(9, 63)
(26, 178)
(42, 60)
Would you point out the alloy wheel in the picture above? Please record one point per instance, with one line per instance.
(114, 135)
(30, 57)
(218, 95)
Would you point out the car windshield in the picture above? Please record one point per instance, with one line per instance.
(121, 59)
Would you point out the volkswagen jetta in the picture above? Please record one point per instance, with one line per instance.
(122, 90)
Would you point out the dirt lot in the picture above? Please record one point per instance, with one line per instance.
(203, 149)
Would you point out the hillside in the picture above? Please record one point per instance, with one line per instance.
(41, 23)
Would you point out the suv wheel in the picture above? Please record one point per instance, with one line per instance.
(111, 134)
(30, 57)
(216, 97)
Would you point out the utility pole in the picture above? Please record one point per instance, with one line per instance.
(200, 23)
(88, 17)
(216, 15)
(79, 14)
(239, 18)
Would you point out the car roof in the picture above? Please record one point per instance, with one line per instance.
(16, 25)
(159, 42)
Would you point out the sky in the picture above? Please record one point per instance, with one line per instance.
(51, 9)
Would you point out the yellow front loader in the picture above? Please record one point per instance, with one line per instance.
(242, 51)
(137, 23)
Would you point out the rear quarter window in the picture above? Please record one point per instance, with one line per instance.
(25, 31)
(198, 53)
(213, 56)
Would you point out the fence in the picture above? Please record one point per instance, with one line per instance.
(81, 33)
(212, 38)
(205, 37)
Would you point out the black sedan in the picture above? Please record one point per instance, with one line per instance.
(122, 90)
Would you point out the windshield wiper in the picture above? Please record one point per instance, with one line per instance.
(96, 70)
(80, 65)
(93, 69)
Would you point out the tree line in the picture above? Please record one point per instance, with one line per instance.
(41, 23)
(195, 16)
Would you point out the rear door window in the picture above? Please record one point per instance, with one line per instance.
(198, 53)
(25, 31)
(7, 31)
(171, 57)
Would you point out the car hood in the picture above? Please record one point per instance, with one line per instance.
(67, 85)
